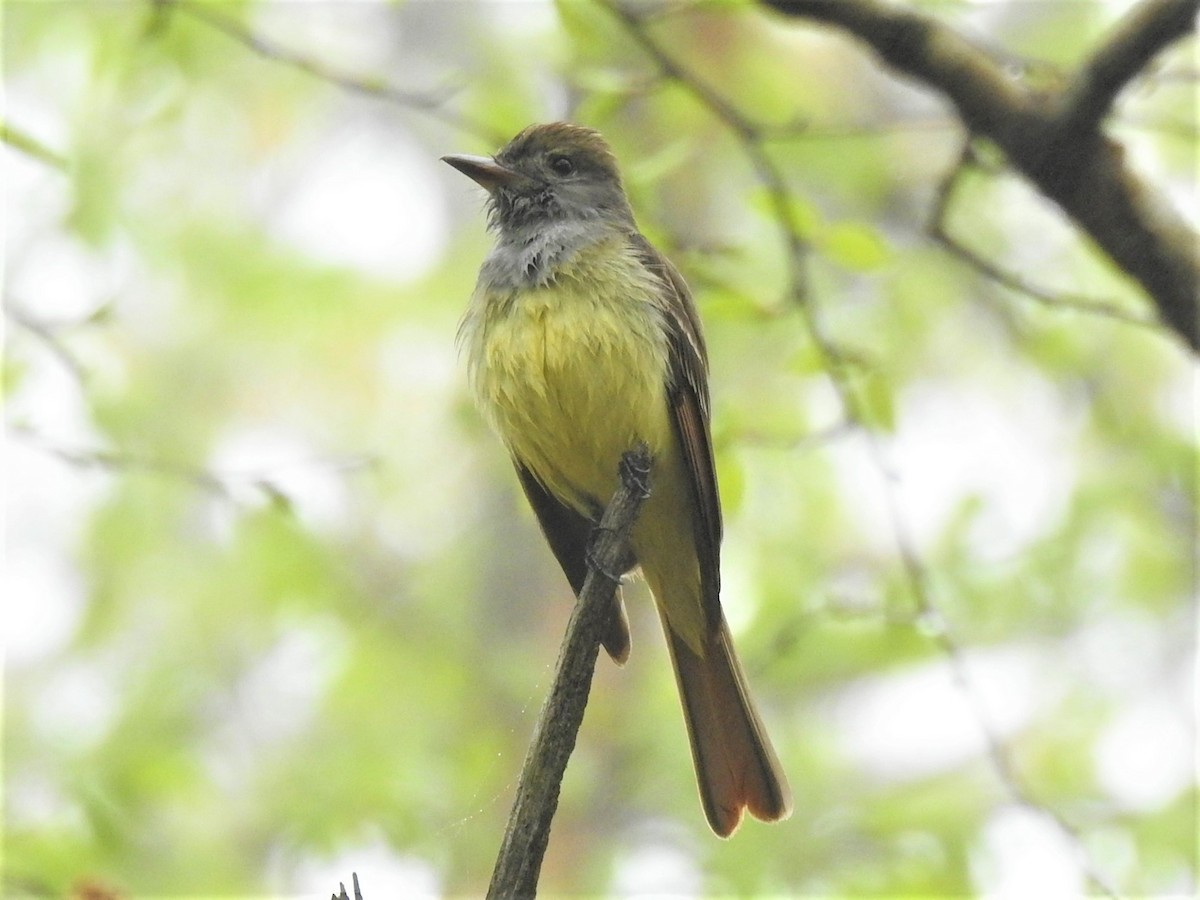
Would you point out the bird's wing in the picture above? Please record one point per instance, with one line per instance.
(687, 393)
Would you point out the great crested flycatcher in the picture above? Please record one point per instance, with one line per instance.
(583, 340)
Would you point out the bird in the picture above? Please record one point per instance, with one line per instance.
(581, 341)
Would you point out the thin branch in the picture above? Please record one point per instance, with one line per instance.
(431, 103)
(519, 862)
(749, 135)
(932, 622)
(120, 462)
(21, 140)
(49, 336)
(752, 136)
(224, 485)
(938, 229)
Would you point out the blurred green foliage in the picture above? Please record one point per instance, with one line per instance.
(306, 611)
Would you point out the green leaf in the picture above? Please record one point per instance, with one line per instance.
(805, 215)
(876, 400)
(855, 245)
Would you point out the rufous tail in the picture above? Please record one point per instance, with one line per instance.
(736, 767)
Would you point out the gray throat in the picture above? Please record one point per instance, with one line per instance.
(531, 255)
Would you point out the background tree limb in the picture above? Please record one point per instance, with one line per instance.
(1054, 138)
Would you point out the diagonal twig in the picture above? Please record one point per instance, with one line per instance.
(519, 861)
(432, 103)
(749, 134)
(224, 485)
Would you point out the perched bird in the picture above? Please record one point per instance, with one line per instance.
(582, 340)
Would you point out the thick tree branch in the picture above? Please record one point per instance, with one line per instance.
(1054, 139)
(1146, 30)
(519, 862)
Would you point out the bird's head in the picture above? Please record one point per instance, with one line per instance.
(550, 173)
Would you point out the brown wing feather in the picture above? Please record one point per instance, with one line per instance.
(568, 533)
(687, 391)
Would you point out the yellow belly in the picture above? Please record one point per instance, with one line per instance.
(574, 374)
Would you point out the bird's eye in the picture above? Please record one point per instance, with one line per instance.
(562, 165)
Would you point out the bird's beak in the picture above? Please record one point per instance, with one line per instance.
(484, 171)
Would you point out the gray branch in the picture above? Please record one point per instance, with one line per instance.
(519, 862)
